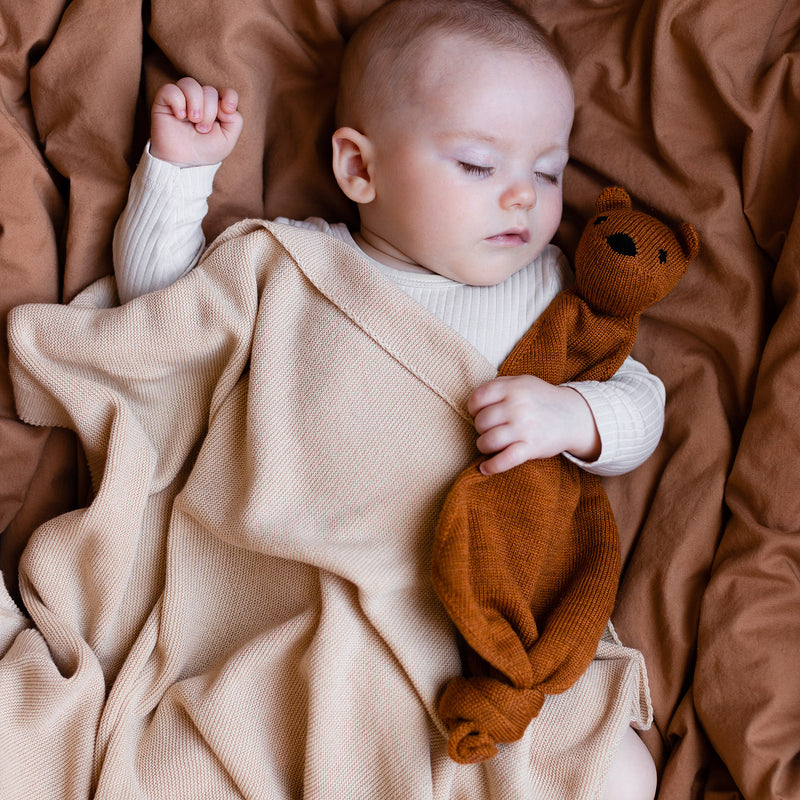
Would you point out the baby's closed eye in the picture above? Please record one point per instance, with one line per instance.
(548, 177)
(478, 170)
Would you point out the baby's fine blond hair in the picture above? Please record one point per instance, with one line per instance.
(381, 58)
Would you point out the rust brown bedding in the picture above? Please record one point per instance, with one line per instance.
(692, 106)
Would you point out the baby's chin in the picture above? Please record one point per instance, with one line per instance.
(497, 265)
(482, 274)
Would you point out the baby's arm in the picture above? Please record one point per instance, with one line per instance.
(159, 236)
(608, 428)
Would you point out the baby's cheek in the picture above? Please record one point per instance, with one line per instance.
(552, 212)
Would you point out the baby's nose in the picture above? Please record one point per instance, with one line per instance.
(521, 194)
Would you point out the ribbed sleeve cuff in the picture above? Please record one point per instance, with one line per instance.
(605, 417)
(193, 182)
(629, 413)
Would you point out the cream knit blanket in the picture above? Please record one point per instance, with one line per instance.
(244, 610)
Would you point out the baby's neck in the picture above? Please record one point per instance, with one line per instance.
(387, 258)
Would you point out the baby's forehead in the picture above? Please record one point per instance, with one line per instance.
(438, 43)
(456, 67)
(435, 60)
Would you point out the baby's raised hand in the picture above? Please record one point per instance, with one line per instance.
(194, 125)
(521, 417)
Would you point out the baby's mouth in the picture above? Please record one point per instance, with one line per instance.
(513, 237)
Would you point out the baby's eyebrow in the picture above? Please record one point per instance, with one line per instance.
(484, 137)
(471, 135)
(557, 150)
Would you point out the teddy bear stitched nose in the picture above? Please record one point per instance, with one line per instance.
(622, 243)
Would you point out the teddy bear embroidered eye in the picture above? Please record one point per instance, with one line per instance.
(526, 562)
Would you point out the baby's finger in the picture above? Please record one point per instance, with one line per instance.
(512, 456)
(170, 98)
(485, 395)
(210, 109)
(193, 97)
(230, 119)
(490, 417)
(228, 101)
(496, 439)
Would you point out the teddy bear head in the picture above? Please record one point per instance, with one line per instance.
(627, 260)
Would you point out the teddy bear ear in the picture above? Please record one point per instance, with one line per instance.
(689, 240)
(612, 197)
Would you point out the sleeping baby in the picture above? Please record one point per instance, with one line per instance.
(452, 136)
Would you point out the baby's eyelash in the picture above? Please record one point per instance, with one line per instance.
(547, 177)
(475, 169)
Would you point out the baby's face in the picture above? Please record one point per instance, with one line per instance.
(468, 174)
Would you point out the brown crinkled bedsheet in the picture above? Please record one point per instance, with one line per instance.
(692, 105)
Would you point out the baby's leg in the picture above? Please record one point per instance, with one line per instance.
(632, 775)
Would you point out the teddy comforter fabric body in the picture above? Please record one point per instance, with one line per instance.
(691, 105)
(248, 592)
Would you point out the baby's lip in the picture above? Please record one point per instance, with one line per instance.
(511, 237)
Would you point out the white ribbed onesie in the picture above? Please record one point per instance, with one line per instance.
(159, 238)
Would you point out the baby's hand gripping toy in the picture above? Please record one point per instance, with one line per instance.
(526, 562)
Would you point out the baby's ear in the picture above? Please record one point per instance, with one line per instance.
(352, 154)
